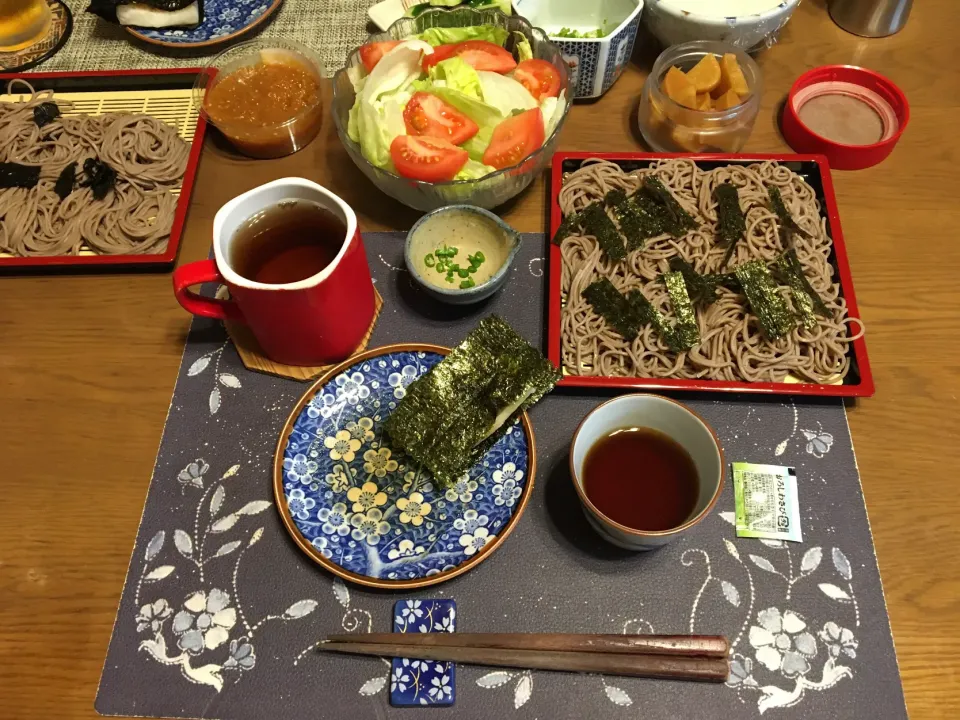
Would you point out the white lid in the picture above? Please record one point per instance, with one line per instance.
(722, 8)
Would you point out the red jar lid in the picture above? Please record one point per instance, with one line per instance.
(852, 115)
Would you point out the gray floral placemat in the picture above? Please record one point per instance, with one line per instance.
(220, 611)
(331, 27)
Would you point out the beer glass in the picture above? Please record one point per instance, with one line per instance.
(23, 23)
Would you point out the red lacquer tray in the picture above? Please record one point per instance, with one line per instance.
(118, 81)
(815, 170)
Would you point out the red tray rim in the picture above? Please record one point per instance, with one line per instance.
(168, 256)
(865, 388)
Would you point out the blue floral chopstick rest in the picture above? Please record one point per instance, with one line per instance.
(423, 682)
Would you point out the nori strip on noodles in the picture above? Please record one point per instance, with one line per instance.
(778, 207)
(731, 224)
(701, 288)
(686, 331)
(765, 299)
(65, 181)
(610, 304)
(635, 224)
(806, 301)
(45, 113)
(569, 225)
(101, 178)
(596, 222)
(651, 316)
(453, 414)
(15, 175)
(676, 220)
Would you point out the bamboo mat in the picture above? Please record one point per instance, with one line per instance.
(331, 27)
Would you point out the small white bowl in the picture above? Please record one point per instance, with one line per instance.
(744, 23)
(674, 420)
(594, 63)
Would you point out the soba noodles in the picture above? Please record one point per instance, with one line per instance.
(134, 217)
(733, 346)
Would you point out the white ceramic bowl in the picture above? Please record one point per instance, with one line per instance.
(674, 420)
(744, 23)
(594, 64)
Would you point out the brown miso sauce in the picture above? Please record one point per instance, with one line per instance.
(286, 243)
(262, 95)
(641, 478)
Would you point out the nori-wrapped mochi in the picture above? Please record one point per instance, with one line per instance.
(455, 412)
(15, 175)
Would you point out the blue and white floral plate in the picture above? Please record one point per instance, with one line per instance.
(223, 20)
(367, 513)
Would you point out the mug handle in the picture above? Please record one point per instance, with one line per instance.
(195, 273)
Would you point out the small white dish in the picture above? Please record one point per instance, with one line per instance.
(594, 63)
(676, 421)
(744, 23)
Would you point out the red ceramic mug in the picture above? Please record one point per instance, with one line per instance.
(316, 321)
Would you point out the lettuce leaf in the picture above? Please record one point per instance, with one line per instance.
(482, 114)
(478, 144)
(373, 119)
(447, 35)
(457, 75)
(552, 109)
(474, 170)
(505, 93)
(524, 51)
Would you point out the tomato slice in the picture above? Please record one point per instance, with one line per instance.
(440, 52)
(426, 158)
(539, 77)
(371, 53)
(485, 55)
(515, 138)
(426, 114)
(479, 54)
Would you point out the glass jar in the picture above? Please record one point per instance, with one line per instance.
(668, 126)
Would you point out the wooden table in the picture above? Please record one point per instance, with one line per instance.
(87, 366)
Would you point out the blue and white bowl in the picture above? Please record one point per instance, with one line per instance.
(594, 64)
(364, 510)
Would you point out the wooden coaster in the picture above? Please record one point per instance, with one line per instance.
(253, 358)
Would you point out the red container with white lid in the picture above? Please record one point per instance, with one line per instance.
(852, 115)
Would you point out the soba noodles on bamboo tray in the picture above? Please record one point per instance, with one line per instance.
(674, 271)
(100, 182)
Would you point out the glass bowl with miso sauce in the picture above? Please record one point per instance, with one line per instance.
(265, 96)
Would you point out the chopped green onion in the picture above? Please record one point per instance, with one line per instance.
(468, 283)
(449, 278)
(463, 272)
(480, 256)
(429, 260)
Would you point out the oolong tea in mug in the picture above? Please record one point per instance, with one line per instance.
(287, 242)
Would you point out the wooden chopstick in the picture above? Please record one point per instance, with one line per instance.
(715, 646)
(703, 669)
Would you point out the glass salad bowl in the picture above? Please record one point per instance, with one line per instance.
(490, 190)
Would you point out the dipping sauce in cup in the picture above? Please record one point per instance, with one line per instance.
(646, 469)
(264, 96)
